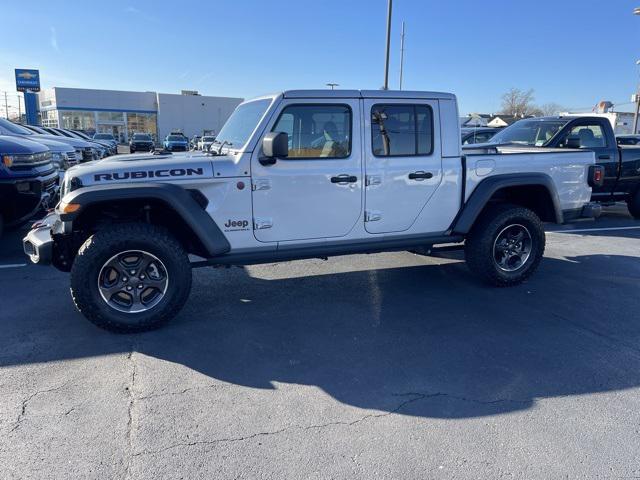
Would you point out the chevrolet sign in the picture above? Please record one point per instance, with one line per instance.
(27, 80)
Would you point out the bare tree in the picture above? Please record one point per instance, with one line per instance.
(551, 108)
(518, 103)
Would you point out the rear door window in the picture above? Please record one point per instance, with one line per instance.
(401, 130)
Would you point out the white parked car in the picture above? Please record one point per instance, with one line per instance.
(205, 143)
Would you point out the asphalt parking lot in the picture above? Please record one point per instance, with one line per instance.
(361, 367)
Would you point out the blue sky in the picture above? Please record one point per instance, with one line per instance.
(571, 52)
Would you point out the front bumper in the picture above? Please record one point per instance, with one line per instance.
(26, 196)
(38, 244)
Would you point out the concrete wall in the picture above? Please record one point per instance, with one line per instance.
(105, 99)
(193, 113)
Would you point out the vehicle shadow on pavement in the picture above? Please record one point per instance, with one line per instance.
(379, 339)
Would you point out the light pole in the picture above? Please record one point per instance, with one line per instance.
(637, 99)
(401, 54)
(332, 85)
(636, 11)
(386, 62)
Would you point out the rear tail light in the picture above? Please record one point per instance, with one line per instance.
(596, 175)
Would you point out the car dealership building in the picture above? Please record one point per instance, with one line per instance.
(125, 113)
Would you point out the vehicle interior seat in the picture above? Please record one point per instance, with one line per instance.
(330, 131)
(588, 139)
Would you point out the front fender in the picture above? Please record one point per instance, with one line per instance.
(180, 200)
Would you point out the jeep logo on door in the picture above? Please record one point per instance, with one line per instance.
(236, 225)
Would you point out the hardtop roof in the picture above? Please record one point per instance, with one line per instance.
(367, 94)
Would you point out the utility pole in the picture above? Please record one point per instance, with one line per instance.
(401, 53)
(636, 11)
(386, 63)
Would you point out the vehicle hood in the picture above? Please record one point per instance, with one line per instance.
(54, 145)
(74, 142)
(20, 145)
(143, 168)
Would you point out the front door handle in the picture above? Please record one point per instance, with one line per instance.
(342, 179)
(604, 157)
(420, 175)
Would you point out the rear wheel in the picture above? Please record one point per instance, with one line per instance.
(505, 245)
(633, 202)
(130, 278)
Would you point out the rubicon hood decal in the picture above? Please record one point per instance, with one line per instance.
(168, 168)
(139, 174)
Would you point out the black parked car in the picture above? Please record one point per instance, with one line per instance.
(628, 139)
(478, 135)
(141, 142)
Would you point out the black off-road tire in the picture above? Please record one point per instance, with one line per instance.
(479, 245)
(108, 242)
(633, 202)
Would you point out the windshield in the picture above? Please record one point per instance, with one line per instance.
(82, 135)
(242, 123)
(103, 136)
(10, 128)
(534, 133)
(208, 139)
(140, 136)
(175, 138)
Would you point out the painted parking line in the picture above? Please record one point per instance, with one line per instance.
(13, 265)
(601, 229)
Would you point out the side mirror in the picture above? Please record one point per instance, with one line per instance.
(275, 145)
(572, 142)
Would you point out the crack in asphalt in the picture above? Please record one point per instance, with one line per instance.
(185, 390)
(417, 397)
(25, 402)
(132, 400)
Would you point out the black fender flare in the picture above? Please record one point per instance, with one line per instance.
(174, 196)
(489, 186)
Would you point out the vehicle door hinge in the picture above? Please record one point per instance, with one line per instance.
(261, 184)
(262, 223)
(373, 180)
(372, 215)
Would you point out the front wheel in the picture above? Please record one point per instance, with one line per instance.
(130, 278)
(633, 202)
(505, 245)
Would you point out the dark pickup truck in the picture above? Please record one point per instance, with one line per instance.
(28, 179)
(621, 162)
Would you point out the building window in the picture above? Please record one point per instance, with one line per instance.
(142, 123)
(401, 130)
(49, 118)
(110, 117)
(316, 131)
(78, 120)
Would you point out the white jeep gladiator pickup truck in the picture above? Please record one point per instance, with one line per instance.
(304, 174)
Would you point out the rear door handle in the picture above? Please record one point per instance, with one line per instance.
(420, 175)
(604, 157)
(344, 179)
